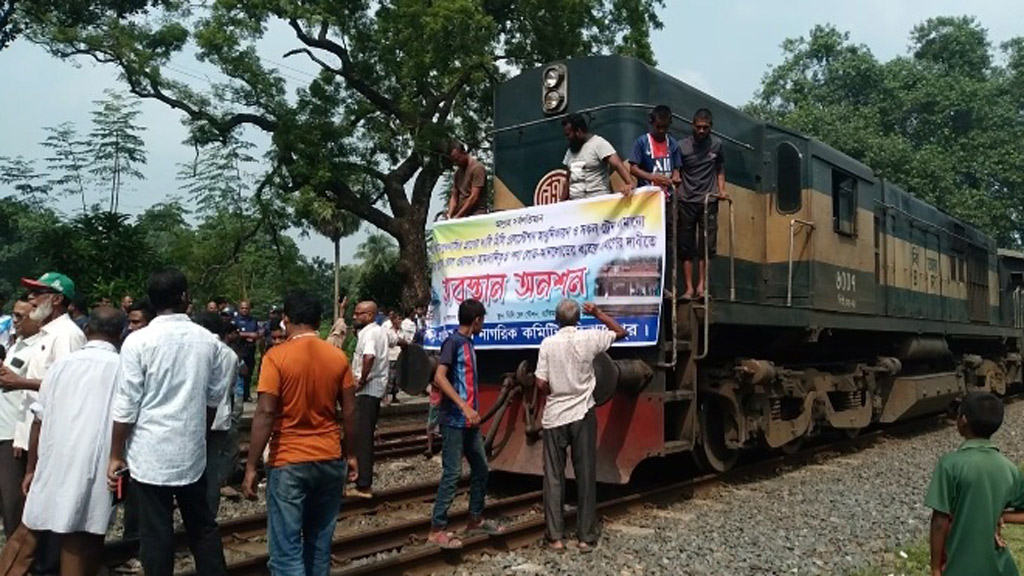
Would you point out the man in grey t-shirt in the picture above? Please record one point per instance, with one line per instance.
(589, 160)
(703, 178)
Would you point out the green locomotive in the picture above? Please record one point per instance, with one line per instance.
(837, 299)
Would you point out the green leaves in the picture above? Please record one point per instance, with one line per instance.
(398, 79)
(116, 143)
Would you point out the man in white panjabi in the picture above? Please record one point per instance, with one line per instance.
(70, 448)
(565, 373)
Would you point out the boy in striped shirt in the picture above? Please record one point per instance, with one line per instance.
(457, 379)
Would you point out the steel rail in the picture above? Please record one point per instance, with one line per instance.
(411, 555)
(117, 552)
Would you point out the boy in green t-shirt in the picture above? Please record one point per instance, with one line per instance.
(969, 491)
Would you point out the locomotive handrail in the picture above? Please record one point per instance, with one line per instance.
(675, 280)
(1015, 300)
(707, 268)
(605, 107)
(928, 224)
(793, 224)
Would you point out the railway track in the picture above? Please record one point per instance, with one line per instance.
(400, 547)
(392, 442)
(422, 559)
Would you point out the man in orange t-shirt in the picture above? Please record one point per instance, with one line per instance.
(302, 382)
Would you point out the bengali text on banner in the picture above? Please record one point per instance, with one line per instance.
(520, 263)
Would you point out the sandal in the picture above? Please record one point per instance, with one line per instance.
(446, 540)
(488, 527)
(687, 295)
(555, 545)
(586, 547)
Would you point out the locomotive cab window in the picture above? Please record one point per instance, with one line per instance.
(788, 188)
(844, 203)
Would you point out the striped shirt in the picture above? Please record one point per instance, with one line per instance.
(458, 354)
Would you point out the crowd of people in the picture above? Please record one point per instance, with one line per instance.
(140, 409)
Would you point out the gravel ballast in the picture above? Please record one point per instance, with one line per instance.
(832, 517)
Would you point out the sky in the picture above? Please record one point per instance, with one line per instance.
(723, 48)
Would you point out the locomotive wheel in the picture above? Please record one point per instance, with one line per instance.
(711, 452)
(793, 446)
(851, 433)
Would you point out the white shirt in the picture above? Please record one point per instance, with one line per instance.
(229, 366)
(588, 171)
(374, 341)
(57, 338)
(10, 402)
(170, 373)
(69, 491)
(405, 332)
(566, 362)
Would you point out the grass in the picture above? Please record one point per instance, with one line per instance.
(915, 560)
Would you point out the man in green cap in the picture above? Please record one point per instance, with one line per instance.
(50, 295)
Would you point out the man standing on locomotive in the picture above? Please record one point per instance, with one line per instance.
(703, 184)
(565, 372)
(589, 160)
(655, 158)
(467, 198)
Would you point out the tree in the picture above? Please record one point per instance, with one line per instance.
(943, 121)
(105, 253)
(69, 156)
(376, 278)
(21, 16)
(116, 144)
(24, 225)
(9, 26)
(21, 174)
(329, 221)
(398, 79)
(220, 178)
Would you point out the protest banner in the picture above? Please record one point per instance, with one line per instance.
(520, 263)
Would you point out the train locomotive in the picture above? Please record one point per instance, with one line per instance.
(837, 300)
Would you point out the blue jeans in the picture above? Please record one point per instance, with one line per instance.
(456, 443)
(239, 390)
(302, 508)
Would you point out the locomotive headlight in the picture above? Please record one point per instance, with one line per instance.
(552, 100)
(552, 78)
(554, 88)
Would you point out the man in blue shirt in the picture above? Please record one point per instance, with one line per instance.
(458, 380)
(655, 159)
(248, 334)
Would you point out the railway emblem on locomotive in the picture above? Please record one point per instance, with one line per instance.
(550, 187)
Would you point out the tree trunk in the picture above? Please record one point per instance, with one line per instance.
(337, 278)
(413, 266)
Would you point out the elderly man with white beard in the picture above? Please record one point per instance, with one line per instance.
(59, 336)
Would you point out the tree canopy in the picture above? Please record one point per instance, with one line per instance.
(945, 120)
(398, 79)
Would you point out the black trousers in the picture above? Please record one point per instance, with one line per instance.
(156, 528)
(249, 358)
(581, 437)
(12, 472)
(691, 230)
(367, 412)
